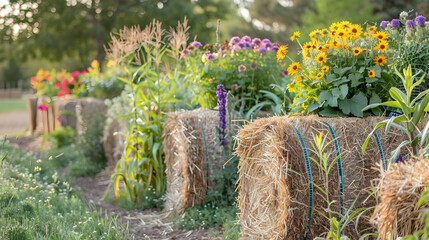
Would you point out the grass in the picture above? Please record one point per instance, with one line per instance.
(9, 105)
(37, 203)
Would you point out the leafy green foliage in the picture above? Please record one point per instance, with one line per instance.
(36, 203)
(63, 136)
(413, 111)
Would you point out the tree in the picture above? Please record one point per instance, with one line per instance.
(12, 74)
(390, 9)
(53, 29)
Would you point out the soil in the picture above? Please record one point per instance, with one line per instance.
(153, 224)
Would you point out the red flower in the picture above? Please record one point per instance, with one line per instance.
(43, 107)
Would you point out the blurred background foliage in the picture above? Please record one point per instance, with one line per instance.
(69, 34)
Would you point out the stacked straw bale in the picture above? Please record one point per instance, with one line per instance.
(185, 156)
(273, 184)
(88, 108)
(113, 140)
(400, 189)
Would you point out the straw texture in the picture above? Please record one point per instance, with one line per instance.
(399, 191)
(185, 156)
(273, 185)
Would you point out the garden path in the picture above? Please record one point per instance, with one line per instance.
(13, 123)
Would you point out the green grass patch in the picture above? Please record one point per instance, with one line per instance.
(9, 105)
(36, 203)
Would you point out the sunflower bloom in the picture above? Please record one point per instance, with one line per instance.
(382, 46)
(371, 73)
(281, 53)
(293, 68)
(345, 24)
(295, 35)
(334, 26)
(341, 33)
(357, 51)
(321, 58)
(380, 35)
(355, 31)
(325, 69)
(298, 81)
(380, 60)
(320, 75)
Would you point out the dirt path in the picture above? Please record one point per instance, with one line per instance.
(13, 123)
(151, 224)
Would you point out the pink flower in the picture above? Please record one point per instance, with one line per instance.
(83, 72)
(57, 85)
(75, 74)
(43, 107)
(73, 81)
(241, 68)
(234, 87)
(60, 119)
(59, 78)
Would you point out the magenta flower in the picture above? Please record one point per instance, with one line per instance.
(60, 119)
(234, 87)
(267, 43)
(241, 68)
(57, 85)
(256, 42)
(43, 107)
(246, 39)
(274, 48)
(196, 44)
(253, 65)
(75, 74)
(83, 72)
(285, 73)
(185, 52)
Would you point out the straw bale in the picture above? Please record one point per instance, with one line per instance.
(273, 185)
(113, 140)
(88, 108)
(399, 191)
(185, 156)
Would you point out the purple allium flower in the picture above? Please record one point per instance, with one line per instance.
(234, 40)
(420, 21)
(285, 73)
(241, 45)
(185, 52)
(234, 86)
(246, 39)
(241, 68)
(253, 65)
(262, 49)
(221, 103)
(274, 48)
(399, 159)
(210, 56)
(256, 41)
(410, 24)
(196, 44)
(395, 23)
(383, 24)
(267, 43)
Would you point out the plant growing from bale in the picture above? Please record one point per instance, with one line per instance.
(154, 89)
(423, 233)
(413, 112)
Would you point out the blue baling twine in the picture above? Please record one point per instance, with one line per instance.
(310, 182)
(340, 166)
(380, 149)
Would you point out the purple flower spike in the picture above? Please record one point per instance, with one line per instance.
(246, 39)
(234, 40)
(383, 24)
(210, 56)
(256, 41)
(274, 48)
(196, 44)
(262, 49)
(267, 43)
(420, 21)
(221, 102)
(410, 24)
(285, 73)
(395, 23)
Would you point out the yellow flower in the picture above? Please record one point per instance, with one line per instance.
(295, 35)
(290, 88)
(320, 75)
(371, 73)
(334, 26)
(298, 81)
(281, 53)
(94, 64)
(341, 33)
(293, 68)
(355, 31)
(315, 33)
(372, 29)
(380, 60)
(335, 44)
(345, 24)
(111, 63)
(325, 69)
(357, 51)
(380, 35)
(321, 58)
(346, 46)
(40, 72)
(382, 46)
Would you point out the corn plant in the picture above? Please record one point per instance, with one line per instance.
(413, 111)
(154, 93)
(423, 233)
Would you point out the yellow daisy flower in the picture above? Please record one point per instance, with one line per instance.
(298, 81)
(380, 60)
(320, 75)
(295, 35)
(293, 68)
(371, 73)
(355, 31)
(357, 51)
(380, 35)
(345, 24)
(281, 53)
(382, 46)
(341, 33)
(321, 58)
(325, 69)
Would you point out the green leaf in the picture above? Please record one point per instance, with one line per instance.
(341, 71)
(327, 98)
(331, 78)
(377, 70)
(331, 112)
(354, 105)
(374, 99)
(313, 107)
(387, 104)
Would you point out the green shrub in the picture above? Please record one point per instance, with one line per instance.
(63, 136)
